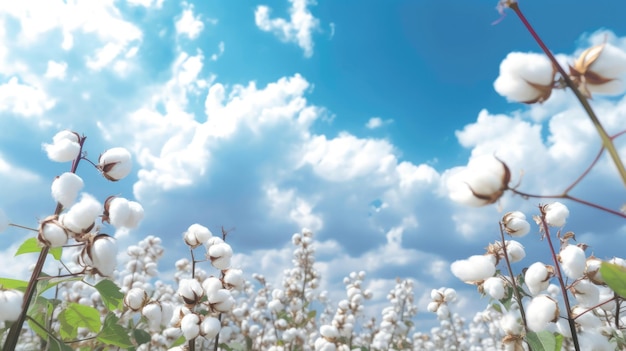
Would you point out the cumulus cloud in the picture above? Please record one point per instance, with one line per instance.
(188, 24)
(23, 99)
(298, 29)
(377, 122)
(56, 70)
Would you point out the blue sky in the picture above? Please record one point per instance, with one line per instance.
(344, 118)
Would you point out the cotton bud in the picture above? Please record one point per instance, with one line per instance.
(537, 277)
(52, 233)
(209, 327)
(555, 214)
(196, 235)
(482, 182)
(81, 217)
(65, 188)
(191, 291)
(10, 305)
(190, 326)
(115, 163)
(599, 69)
(573, 261)
(100, 254)
(233, 279)
(220, 255)
(525, 77)
(4, 221)
(474, 269)
(494, 287)
(515, 224)
(541, 310)
(65, 146)
(135, 299)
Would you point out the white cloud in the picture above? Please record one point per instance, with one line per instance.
(299, 29)
(101, 18)
(297, 209)
(377, 122)
(56, 70)
(146, 3)
(220, 52)
(22, 99)
(188, 24)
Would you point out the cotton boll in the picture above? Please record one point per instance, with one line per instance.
(587, 294)
(525, 77)
(104, 254)
(82, 215)
(10, 305)
(196, 235)
(494, 287)
(220, 255)
(190, 326)
(474, 269)
(117, 210)
(573, 261)
(515, 224)
(65, 146)
(135, 216)
(592, 340)
(65, 188)
(537, 278)
(482, 182)
(210, 327)
(555, 213)
(115, 163)
(51, 233)
(541, 310)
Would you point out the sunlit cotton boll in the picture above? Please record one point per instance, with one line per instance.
(135, 216)
(587, 294)
(525, 77)
(573, 261)
(220, 255)
(190, 326)
(104, 254)
(556, 214)
(474, 269)
(10, 305)
(515, 224)
(209, 327)
(196, 235)
(115, 163)
(117, 210)
(540, 311)
(482, 182)
(135, 299)
(65, 147)
(52, 233)
(65, 188)
(537, 278)
(82, 215)
(593, 340)
(515, 251)
(494, 286)
(190, 290)
(602, 69)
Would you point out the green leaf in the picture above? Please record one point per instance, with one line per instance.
(181, 340)
(113, 333)
(111, 294)
(141, 336)
(615, 277)
(47, 282)
(75, 315)
(32, 245)
(543, 341)
(13, 284)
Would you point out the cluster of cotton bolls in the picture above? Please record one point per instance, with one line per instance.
(340, 333)
(396, 318)
(80, 220)
(570, 286)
